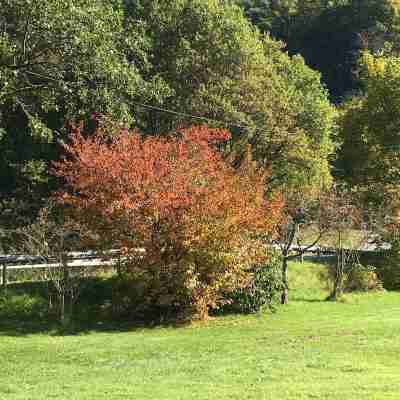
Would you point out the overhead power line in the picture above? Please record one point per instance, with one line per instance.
(182, 114)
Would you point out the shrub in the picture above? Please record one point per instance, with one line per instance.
(356, 277)
(362, 278)
(197, 218)
(389, 269)
(22, 306)
(263, 288)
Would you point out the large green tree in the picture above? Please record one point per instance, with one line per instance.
(218, 66)
(60, 60)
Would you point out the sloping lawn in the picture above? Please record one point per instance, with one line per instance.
(311, 349)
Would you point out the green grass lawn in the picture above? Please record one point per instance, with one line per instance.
(310, 349)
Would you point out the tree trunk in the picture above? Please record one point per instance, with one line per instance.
(285, 257)
(64, 313)
(62, 309)
(4, 277)
(337, 288)
(285, 281)
(65, 310)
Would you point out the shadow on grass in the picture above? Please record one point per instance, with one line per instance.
(18, 328)
(308, 300)
(24, 310)
(24, 328)
(307, 295)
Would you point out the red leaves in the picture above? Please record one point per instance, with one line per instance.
(174, 196)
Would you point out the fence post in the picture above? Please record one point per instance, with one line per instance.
(4, 276)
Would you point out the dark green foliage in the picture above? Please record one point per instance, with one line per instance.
(101, 300)
(264, 289)
(61, 60)
(35, 302)
(22, 306)
(389, 270)
(94, 301)
(329, 35)
(131, 300)
(333, 41)
(128, 298)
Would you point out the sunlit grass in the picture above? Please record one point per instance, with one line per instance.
(310, 349)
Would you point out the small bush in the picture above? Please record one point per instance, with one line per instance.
(362, 278)
(357, 278)
(94, 301)
(22, 306)
(128, 297)
(263, 289)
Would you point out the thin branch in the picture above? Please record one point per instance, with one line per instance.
(42, 76)
(301, 252)
(26, 33)
(23, 107)
(290, 240)
(27, 65)
(26, 88)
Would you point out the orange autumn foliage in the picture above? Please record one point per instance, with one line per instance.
(197, 218)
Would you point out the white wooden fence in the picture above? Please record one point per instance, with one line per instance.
(9, 264)
(111, 257)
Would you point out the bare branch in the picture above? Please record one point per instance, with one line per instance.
(300, 253)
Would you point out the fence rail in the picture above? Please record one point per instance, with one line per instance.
(91, 259)
(75, 260)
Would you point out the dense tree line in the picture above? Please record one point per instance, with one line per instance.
(66, 60)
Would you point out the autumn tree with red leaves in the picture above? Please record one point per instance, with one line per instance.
(197, 218)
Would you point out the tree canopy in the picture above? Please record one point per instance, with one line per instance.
(218, 66)
(62, 60)
(369, 129)
(197, 218)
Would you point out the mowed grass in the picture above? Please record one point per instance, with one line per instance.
(310, 349)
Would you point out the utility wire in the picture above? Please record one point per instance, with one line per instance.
(181, 114)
